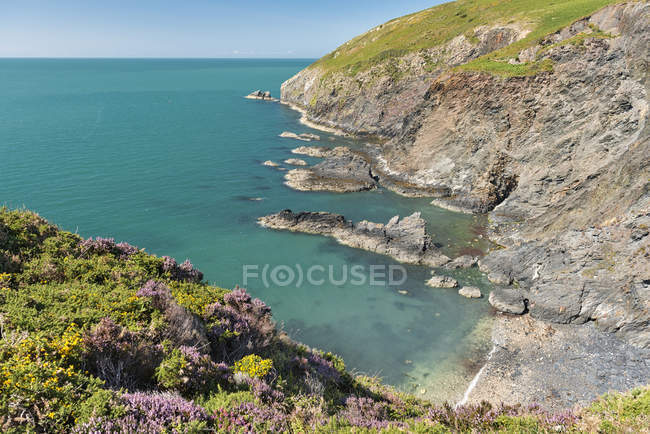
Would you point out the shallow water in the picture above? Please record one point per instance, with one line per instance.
(166, 154)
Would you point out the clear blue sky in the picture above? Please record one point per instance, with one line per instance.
(189, 28)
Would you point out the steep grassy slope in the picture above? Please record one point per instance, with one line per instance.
(102, 337)
(439, 25)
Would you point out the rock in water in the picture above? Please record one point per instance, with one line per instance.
(342, 171)
(307, 137)
(442, 282)
(508, 301)
(258, 94)
(312, 151)
(465, 261)
(295, 162)
(405, 240)
(270, 163)
(470, 292)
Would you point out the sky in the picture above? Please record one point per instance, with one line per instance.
(189, 28)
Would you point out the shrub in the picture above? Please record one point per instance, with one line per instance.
(123, 359)
(98, 246)
(41, 383)
(184, 272)
(151, 413)
(240, 326)
(189, 372)
(619, 412)
(254, 366)
(249, 417)
(365, 413)
(158, 292)
(5, 281)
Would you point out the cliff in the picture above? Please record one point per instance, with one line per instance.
(532, 112)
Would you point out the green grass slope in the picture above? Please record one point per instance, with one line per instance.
(440, 24)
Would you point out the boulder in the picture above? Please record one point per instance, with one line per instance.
(442, 282)
(465, 261)
(470, 292)
(508, 301)
(295, 162)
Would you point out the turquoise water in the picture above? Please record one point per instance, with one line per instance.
(166, 154)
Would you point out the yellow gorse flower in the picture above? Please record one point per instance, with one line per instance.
(254, 366)
(5, 280)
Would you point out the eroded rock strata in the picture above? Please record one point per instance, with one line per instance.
(341, 171)
(557, 366)
(404, 239)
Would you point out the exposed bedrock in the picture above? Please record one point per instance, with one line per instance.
(559, 159)
(341, 171)
(557, 366)
(442, 282)
(312, 151)
(598, 274)
(508, 300)
(377, 101)
(406, 239)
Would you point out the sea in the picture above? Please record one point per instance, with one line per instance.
(167, 154)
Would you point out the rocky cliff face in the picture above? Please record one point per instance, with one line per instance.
(377, 101)
(560, 159)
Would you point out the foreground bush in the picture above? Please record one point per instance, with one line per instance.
(99, 336)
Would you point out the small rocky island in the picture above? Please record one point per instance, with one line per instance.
(305, 137)
(405, 240)
(258, 94)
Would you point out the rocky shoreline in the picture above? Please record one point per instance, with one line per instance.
(516, 371)
(558, 160)
(557, 366)
(403, 239)
(573, 209)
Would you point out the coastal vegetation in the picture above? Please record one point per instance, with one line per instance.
(438, 25)
(98, 336)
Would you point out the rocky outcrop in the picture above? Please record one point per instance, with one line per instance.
(557, 366)
(558, 158)
(341, 171)
(470, 292)
(378, 101)
(511, 301)
(312, 151)
(270, 163)
(406, 240)
(264, 96)
(464, 261)
(305, 137)
(442, 282)
(295, 162)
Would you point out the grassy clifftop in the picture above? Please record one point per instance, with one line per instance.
(440, 24)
